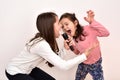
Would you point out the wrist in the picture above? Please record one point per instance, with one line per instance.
(92, 20)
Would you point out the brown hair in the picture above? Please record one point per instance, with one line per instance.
(45, 25)
(79, 30)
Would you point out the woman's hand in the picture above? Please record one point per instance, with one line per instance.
(90, 16)
(87, 51)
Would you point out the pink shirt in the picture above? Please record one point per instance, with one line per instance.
(92, 31)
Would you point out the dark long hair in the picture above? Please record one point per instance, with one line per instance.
(79, 30)
(45, 25)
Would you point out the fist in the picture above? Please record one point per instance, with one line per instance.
(90, 16)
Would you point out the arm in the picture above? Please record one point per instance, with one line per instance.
(43, 50)
(99, 29)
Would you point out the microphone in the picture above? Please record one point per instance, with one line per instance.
(65, 36)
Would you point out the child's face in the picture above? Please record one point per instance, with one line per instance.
(57, 28)
(68, 26)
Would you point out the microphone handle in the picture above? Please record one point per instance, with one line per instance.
(65, 36)
(71, 47)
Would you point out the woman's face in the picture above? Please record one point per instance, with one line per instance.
(57, 28)
(68, 26)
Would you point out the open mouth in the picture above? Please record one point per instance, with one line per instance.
(68, 32)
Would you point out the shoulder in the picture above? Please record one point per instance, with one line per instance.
(40, 45)
(86, 27)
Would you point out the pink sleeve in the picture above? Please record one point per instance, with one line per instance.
(99, 29)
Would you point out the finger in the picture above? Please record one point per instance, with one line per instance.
(96, 44)
(87, 12)
(66, 41)
(85, 18)
(66, 46)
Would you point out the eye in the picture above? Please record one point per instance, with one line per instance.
(66, 24)
(62, 27)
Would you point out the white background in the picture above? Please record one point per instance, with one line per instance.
(17, 25)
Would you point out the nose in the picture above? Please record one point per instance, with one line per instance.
(65, 28)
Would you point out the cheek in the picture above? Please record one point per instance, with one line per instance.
(73, 29)
(56, 30)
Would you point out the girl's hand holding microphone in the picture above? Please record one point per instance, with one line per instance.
(69, 42)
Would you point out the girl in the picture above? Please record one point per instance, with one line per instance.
(84, 37)
(42, 47)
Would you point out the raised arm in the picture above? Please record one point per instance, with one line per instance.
(98, 28)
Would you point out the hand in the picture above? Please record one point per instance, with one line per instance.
(93, 46)
(69, 42)
(90, 16)
(66, 45)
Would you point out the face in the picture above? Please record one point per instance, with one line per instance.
(57, 28)
(68, 26)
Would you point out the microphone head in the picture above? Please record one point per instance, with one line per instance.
(65, 36)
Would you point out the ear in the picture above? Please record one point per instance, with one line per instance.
(76, 22)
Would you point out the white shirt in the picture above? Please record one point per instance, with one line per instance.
(27, 60)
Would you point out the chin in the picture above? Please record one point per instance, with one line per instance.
(57, 36)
